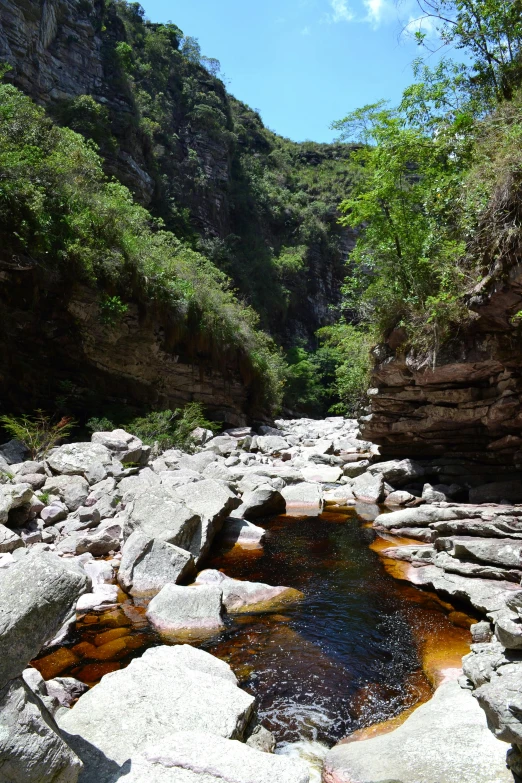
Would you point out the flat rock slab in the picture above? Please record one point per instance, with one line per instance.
(444, 741)
(486, 595)
(197, 757)
(322, 474)
(242, 596)
(415, 517)
(168, 689)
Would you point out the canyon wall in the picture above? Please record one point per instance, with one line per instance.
(463, 401)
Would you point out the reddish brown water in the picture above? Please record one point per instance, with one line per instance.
(359, 649)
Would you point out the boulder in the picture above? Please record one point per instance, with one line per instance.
(354, 469)
(192, 756)
(168, 689)
(242, 596)
(200, 435)
(91, 460)
(323, 474)
(479, 665)
(100, 572)
(29, 467)
(37, 593)
(14, 452)
(98, 542)
(13, 496)
(31, 748)
(399, 498)
(486, 595)
(179, 612)
(221, 444)
(340, 496)
(481, 632)
(73, 490)
(56, 511)
(445, 740)
(397, 471)
(103, 597)
(272, 444)
(197, 462)
(368, 487)
(241, 532)
(508, 630)
(66, 690)
(497, 491)
(158, 513)
(36, 480)
(213, 502)
(306, 493)
(131, 487)
(262, 739)
(501, 700)
(124, 446)
(264, 501)
(148, 564)
(9, 540)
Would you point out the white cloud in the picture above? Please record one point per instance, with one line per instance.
(306, 31)
(341, 11)
(379, 11)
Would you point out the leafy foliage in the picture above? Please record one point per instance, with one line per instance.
(168, 429)
(490, 31)
(349, 346)
(58, 208)
(38, 433)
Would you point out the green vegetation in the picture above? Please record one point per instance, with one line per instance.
(38, 433)
(262, 208)
(58, 208)
(168, 429)
(437, 203)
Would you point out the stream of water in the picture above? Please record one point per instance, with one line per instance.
(353, 652)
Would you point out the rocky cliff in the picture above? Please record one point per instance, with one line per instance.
(54, 347)
(189, 152)
(463, 401)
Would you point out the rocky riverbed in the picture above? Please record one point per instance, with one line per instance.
(95, 525)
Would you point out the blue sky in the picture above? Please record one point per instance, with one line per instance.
(301, 63)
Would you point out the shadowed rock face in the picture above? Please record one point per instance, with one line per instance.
(52, 334)
(467, 399)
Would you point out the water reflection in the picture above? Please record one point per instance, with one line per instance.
(349, 655)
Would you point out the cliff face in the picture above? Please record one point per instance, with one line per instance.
(54, 346)
(188, 151)
(467, 400)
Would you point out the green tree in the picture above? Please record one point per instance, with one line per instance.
(490, 32)
(403, 269)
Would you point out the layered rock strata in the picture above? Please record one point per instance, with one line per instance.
(463, 400)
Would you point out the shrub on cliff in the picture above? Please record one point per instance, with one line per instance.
(59, 211)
